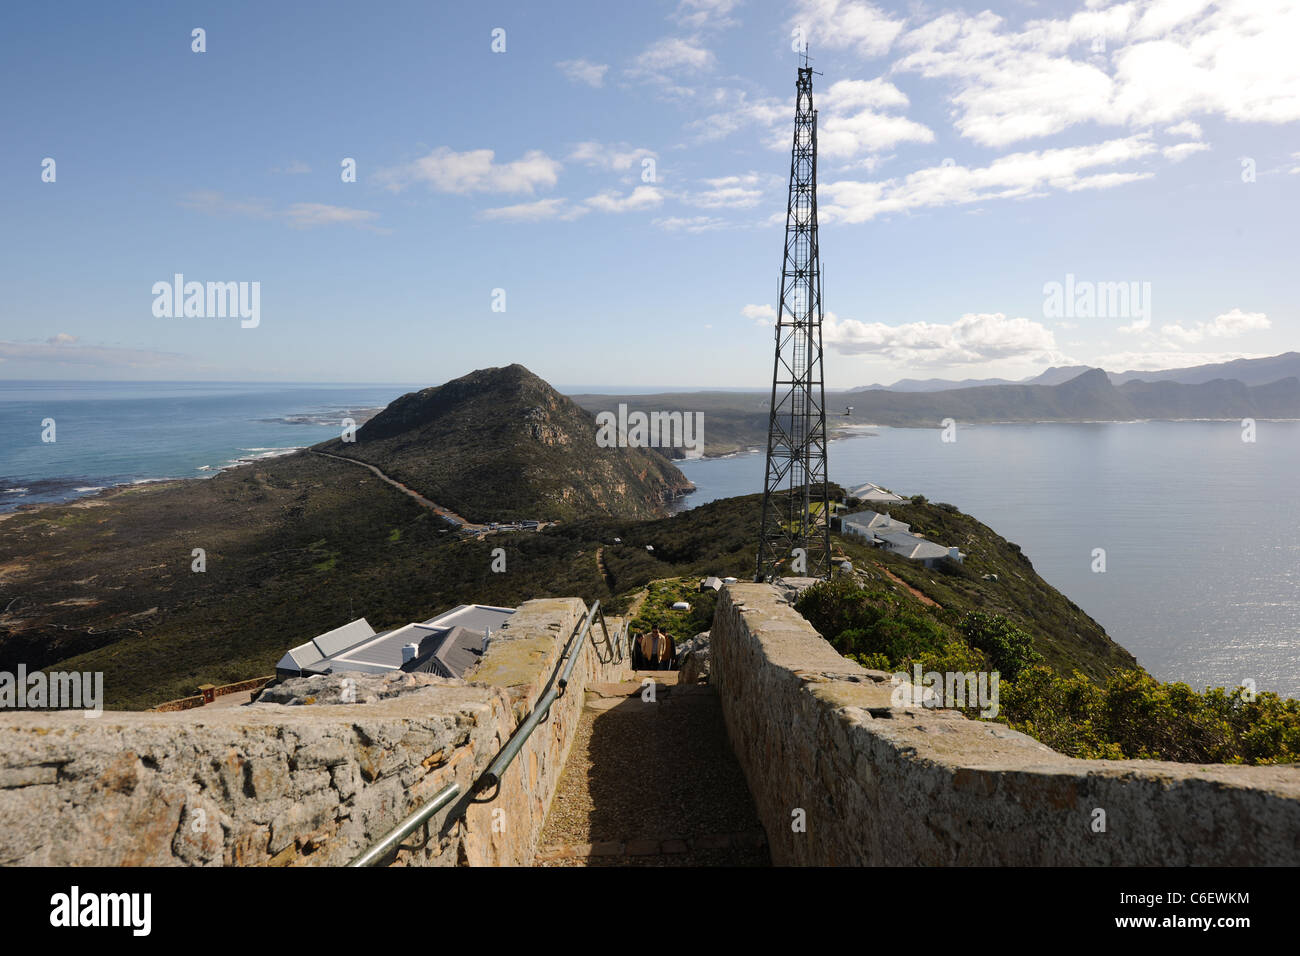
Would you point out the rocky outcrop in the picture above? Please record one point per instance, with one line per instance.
(693, 659)
(349, 688)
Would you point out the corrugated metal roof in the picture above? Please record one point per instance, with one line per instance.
(473, 616)
(331, 642)
(873, 492)
(448, 645)
(872, 520)
(384, 651)
(910, 546)
(460, 650)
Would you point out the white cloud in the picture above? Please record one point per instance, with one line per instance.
(305, 215)
(972, 339)
(665, 60)
(584, 71)
(736, 109)
(61, 338)
(539, 211)
(612, 201)
(1131, 64)
(1189, 129)
(295, 168)
(642, 197)
(761, 314)
(302, 215)
(1180, 151)
(447, 171)
(729, 192)
(1015, 176)
(851, 122)
(846, 24)
(689, 223)
(705, 13)
(868, 132)
(616, 157)
(1229, 325)
(1156, 361)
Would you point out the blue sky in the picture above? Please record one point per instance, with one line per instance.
(969, 158)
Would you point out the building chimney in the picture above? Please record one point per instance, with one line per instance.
(410, 652)
(487, 636)
(954, 553)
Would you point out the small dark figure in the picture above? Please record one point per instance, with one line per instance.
(656, 651)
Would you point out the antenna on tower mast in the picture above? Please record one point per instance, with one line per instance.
(795, 532)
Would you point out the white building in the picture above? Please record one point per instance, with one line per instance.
(897, 537)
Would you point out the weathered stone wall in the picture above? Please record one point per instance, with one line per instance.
(288, 784)
(885, 785)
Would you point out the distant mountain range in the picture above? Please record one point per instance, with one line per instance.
(1053, 376)
(1091, 396)
(1259, 371)
(1249, 388)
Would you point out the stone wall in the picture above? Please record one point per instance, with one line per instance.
(309, 783)
(886, 785)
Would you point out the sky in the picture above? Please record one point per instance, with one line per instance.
(597, 190)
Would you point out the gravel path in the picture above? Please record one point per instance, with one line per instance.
(652, 784)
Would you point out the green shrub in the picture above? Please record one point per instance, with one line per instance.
(874, 625)
(1010, 650)
(1137, 717)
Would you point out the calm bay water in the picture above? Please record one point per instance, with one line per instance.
(1201, 530)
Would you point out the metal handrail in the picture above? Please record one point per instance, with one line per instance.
(407, 827)
(492, 776)
(613, 647)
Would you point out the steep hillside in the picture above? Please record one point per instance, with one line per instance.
(1066, 636)
(302, 544)
(501, 444)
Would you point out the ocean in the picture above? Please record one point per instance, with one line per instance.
(1201, 530)
(111, 433)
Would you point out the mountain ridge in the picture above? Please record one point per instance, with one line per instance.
(1254, 371)
(502, 444)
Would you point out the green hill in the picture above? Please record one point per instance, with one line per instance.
(501, 444)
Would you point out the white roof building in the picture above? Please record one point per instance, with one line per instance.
(446, 645)
(871, 492)
(897, 537)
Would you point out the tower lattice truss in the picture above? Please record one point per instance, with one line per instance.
(795, 535)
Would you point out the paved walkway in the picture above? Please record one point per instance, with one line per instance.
(652, 784)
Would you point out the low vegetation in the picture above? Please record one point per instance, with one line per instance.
(1134, 716)
(680, 625)
(1128, 715)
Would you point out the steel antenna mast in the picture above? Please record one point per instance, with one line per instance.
(794, 539)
